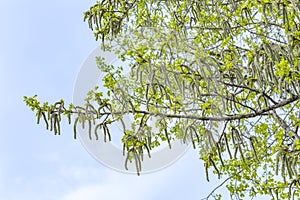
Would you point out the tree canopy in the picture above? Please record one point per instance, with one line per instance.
(223, 74)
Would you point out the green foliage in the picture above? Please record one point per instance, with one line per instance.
(193, 65)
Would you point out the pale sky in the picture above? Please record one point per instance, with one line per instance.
(42, 47)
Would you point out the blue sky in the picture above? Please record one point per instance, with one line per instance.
(42, 47)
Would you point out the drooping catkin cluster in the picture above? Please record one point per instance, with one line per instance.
(235, 62)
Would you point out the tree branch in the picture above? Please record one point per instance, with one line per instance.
(227, 179)
(227, 118)
(284, 125)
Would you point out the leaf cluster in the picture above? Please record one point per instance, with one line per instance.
(224, 75)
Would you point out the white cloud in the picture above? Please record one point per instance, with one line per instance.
(117, 186)
(81, 174)
(183, 180)
(87, 192)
